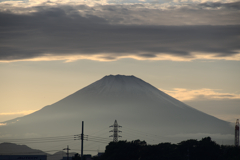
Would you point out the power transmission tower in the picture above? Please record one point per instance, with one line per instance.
(237, 133)
(115, 131)
(67, 151)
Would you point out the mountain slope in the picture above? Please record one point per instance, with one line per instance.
(128, 99)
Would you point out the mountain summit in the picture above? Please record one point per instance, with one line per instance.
(132, 101)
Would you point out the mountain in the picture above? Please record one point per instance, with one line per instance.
(15, 149)
(133, 102)
(59, 155)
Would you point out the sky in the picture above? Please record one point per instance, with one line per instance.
(189, 49)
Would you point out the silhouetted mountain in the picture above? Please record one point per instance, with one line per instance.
(128, 99)
(15, 149)
(59, 155)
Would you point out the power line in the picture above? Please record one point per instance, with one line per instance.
(27, 142)
(148, 134)
(105, 142)
(100, 131)
(40, 151)
(141, 135)
(94, 137)
(90, 144)
(38, 138)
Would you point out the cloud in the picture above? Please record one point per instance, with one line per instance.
(217, 5)
(222, 105)
(225, 109)
(111, 32)
(18, 113)
(183, 94)
(228, 117)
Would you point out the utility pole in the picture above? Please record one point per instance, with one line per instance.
(81, 137)
(115, 131)
(237, 133)
(67, 152)
(82, 141)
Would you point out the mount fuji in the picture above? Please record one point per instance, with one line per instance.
(128, 99)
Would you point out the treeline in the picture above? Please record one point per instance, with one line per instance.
(205, 149)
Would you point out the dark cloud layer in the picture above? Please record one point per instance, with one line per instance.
(63, 31)
(234, 5)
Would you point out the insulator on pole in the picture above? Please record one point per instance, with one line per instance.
(115, 131)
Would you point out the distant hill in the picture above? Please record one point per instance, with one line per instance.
(59, 155)
(15, 149)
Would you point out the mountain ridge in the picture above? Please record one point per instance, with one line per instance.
(16, 149)
(128, 99)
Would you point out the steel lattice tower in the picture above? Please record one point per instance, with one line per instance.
(115, 131)
(237, 133)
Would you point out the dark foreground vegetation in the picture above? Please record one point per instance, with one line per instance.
(205, 149)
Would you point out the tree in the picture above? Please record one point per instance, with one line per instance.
(76, 157)
(190, 149)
